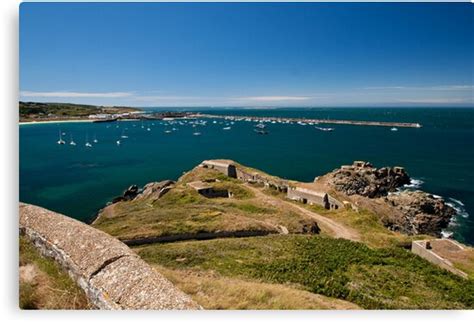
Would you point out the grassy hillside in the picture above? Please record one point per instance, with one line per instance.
(43, 285)
(371, 278)
(183, 210)
(35, 110)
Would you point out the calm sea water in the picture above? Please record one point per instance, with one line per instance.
(77, 180)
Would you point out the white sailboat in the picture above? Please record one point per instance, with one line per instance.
(60, 141)
(88, 144)
(72, 142)
(95, 139)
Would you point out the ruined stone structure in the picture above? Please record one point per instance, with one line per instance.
(208, 190)
(226, 167)
(309, 196)
(112, 275)
(428, 249)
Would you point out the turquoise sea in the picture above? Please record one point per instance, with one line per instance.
(77, 180)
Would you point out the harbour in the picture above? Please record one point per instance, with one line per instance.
(305, 121)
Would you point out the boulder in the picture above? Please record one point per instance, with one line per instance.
(311, 228)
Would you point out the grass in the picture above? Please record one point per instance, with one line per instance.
(44, 285)
(368, 225)
(214, 291)
(384, 278)
(183, 210)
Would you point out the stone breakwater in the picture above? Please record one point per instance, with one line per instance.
(112, 275)
(311, 121)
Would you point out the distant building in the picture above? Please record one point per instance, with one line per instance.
(100, 116)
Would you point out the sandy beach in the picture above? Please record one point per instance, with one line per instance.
(53, 121)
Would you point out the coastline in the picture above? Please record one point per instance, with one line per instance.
(22, 123)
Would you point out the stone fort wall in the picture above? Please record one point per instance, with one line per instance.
(110, 273)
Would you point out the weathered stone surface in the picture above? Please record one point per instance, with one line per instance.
(423, 213)
(134, 284)
(111, 274)
(363, 179)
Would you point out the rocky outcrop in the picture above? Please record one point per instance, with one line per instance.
(155, 190)
(112, 275)
(409, 212)
(422, 213)
(362, 178)
(129, 194)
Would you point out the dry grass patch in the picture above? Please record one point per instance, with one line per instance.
(213, 291)
(44, 285)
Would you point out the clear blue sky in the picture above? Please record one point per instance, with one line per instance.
(247, 54)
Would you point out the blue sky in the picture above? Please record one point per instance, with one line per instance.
(247, 54)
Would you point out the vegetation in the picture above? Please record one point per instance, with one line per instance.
(214, 291)
(368, 225)
(386, 278)
(43, 285)
(183, 210)
(38, 110)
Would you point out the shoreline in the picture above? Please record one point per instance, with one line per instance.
(22, 123)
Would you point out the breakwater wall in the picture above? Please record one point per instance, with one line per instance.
(110, 273)
(313, 121)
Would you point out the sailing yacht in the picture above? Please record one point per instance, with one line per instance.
(72, 142)
(118, 142)
(60, 141)
(88, 144)
(95, 139)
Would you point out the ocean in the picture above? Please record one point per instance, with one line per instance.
(79, 180)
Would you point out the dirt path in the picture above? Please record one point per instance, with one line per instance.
(329, 226)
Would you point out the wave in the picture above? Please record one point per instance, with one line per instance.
(414, 183)
(446, 234)
(458, 206)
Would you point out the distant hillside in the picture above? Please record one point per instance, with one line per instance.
(46, 111)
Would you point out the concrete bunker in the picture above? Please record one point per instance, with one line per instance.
(313, 197)
(207, 190)
(224, 166)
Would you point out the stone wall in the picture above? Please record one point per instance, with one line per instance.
(419, 248)
(110, 273)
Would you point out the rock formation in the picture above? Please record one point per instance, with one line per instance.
(155, 190)
(413, 212)
(423, 213)
(363, 179)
